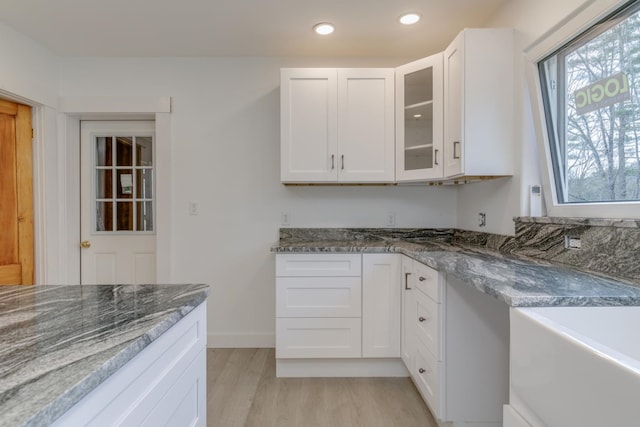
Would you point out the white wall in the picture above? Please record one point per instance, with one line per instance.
(503, 199)
(225, 133)
(27, 69)
(29, 74)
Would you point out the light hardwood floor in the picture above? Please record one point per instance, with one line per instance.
(242, 390)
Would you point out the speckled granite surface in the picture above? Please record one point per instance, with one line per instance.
(57, 343)
(519, 281)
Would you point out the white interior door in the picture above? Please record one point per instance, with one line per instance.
(117, 202)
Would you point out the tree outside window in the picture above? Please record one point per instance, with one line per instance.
(591, 89)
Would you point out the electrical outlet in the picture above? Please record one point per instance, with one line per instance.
(285, 218)
(391, 219)
(194, 207)
(482, 219)
(572, 242)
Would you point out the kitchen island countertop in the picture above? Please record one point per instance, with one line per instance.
(58, 343)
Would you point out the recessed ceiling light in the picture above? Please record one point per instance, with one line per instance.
(417, 116)
(323, 28)
(409, 18)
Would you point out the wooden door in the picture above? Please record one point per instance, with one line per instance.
(16, 195)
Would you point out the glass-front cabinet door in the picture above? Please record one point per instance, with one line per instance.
(419, 120)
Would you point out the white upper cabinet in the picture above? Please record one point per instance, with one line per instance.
(479, 103)
(308, 125)
(337, 125)
(419, 121)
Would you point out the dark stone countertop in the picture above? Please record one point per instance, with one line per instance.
(517, 281)
(57, 343)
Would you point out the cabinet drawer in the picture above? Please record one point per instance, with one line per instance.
(306, 265)
(318, 338)
(318, 297)
(427, 281)
(426, 375)
(427, 323)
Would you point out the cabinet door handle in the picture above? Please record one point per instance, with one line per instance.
(422, 319)
(333, 161)
(422, 371)
(456, 144)
(342, 159)
(435, 157)
(422, 278)
(406, 281)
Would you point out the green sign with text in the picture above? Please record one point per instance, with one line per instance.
(603, 93)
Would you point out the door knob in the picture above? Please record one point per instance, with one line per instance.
(85, 244)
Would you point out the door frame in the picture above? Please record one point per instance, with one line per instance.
(71, 111)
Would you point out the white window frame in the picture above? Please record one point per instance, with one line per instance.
(579, 21)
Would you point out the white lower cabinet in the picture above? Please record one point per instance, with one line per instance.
(318, 306)
(381, 302)
(318, 337)
(407, 342)
(426, 375)
(455, 344)
(164, 385)
(335, 310)
(385, 315)
(422, 336)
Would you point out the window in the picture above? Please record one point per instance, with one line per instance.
(590, 89)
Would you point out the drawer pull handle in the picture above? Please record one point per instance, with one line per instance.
(422, 319)
(422, 371)
(422, 278)
(406, 281)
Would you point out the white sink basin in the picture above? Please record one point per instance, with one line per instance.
(576, 366)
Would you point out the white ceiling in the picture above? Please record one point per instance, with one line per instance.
(364, 28)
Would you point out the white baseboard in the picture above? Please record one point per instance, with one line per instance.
(216, 340)
(340, 368)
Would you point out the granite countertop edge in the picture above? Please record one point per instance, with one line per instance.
(452, 259)
(76, 393)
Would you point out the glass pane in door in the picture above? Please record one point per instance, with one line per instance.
(104, 151)
(104, 216)
(124, 216)
(144, 151)
(144, 183)
(123, 190)
(124, 151)
(418, 120)
(144, 219)
(104, 184)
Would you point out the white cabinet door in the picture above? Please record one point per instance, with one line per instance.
(381, 301)
(318, 297)
(308, 125)
(419, 119)
(366, 125)
(428, 281)
(407, 342)
(325, 337)
(337, 125)
(479, 103)
(427, 377)
(453, 100)
(318, 265)
(427, 323)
